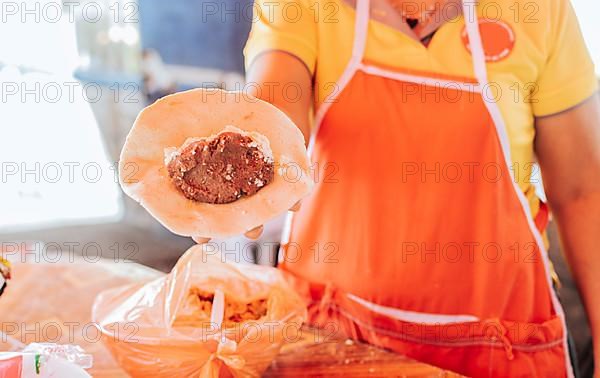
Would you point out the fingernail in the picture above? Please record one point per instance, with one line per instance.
(254, 233)
(200, 239)
(296, 206)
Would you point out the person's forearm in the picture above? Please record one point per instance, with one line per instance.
(578, 222)
(568, 150)
(289, 89)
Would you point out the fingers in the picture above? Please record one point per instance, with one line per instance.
(257, 231)
(250, 234)
(254, 233)
(200, 239)
(296, 206)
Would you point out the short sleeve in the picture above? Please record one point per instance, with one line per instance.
(285, 25)
(567, 78)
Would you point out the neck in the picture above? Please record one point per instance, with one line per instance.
(426, 16)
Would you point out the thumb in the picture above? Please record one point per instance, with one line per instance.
(200, 239)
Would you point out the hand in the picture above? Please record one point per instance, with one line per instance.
(250, 234)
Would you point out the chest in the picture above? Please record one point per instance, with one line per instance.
(514, 53)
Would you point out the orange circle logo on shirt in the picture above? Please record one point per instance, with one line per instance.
(497, 37)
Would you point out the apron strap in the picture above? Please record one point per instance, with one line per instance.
(361, 27)
(477, 52)
(479, 66)
(538, 224)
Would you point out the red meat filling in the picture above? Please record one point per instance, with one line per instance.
(220, 170)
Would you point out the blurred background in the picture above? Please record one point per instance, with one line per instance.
(74, 75)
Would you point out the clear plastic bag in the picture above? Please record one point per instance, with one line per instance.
(162, 329)
(46, 360)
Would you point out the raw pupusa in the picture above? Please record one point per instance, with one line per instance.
(202, 113)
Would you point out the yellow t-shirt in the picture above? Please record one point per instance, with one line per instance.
(544, 68)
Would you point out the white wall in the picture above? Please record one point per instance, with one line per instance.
(588, 12)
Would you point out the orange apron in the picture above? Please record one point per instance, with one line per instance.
(416, 237)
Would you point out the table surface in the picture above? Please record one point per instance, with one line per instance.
(52, 302)
(318, 357)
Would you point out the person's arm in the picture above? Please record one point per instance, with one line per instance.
(289, 88)
(568, 148)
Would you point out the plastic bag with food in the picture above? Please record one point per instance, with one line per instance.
(207, 318)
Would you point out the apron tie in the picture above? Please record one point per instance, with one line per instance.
(501, 334)
(320, 313)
